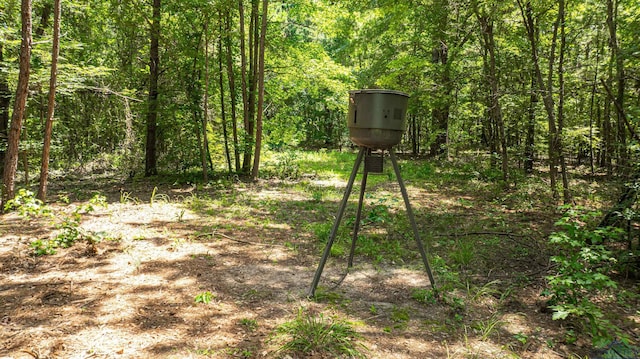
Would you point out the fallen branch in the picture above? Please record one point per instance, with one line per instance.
(465, 234)
(214, 233)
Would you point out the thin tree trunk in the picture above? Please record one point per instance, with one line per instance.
(618, 60)
(566, 193)
(546, 90)
(494, 109)
(440, 57)
(48, 129)
(22, 91)
(205, 105)
(223, 113)
(529, 148)
(5, 102)
(622, 114)
(263, 33)
(152, 114)
(592, 104)
(248, 122)
(232, 93)
(254, 44)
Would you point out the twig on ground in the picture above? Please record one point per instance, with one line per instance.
(465, 234)
(216, 233)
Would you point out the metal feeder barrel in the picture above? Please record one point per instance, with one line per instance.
(377, 118)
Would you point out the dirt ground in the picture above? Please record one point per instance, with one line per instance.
(133, 294)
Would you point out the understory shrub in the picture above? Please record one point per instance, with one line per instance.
(581, 281)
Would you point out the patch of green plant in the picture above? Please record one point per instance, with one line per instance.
(486, 328)
(200, 204)
(583, 264)
(70, 231)
(381, 247)
(378, 214)
(249, 324)
(448, 279)
(476, 293)
(400, 316)
(126, 197)
(158, 197)
(324, 295)
(204, 297)
(521, 338)
(27, 205)
(43, 247)
(424, 296)
(463, 252)
(315, 334)
(284, 165)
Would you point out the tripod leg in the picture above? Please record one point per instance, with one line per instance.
(356, 226)
(336, 224)
(412, 219)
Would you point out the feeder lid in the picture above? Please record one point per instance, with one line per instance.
(379, 91)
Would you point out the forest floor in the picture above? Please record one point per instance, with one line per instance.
(185, 270)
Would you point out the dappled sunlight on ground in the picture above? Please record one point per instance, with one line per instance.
(254, 248)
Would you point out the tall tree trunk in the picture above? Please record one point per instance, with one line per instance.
(44, 19)
(529, 148)
(494, 109)
(205, 105)
(440, 57)
(607, 131)
(223, 114)
(48, 129)
(263, 32)
(566, 193)
(22, 91)
(246, 95)
(594, 87)
(618, 60)
(545, 89)
(254, 44)
(5, 102)
(150, 168)
(232, 91)
(414, 134)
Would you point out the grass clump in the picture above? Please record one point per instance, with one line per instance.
(310, 334)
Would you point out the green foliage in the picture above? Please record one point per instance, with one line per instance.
(27, 205)
(401, 317)
(424, 296)
(204, 297)
(309, 333)
(70, 231)
(249, 324)
(583, 264)
(284, 166)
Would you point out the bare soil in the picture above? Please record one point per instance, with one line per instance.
(133, 294)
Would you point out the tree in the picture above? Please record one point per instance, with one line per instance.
(260, 110)
(150, 168)
(5, 102)
(232, 89)
(22, 91)
(223, 114)
(46, 148)
(617, 61)
(489, 58)
(545, 88)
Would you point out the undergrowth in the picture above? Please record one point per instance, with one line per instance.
(581, 284)
(310, 334)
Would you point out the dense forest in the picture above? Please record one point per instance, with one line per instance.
(511, 92)
(147, 87)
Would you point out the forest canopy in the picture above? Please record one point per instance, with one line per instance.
(175, 86)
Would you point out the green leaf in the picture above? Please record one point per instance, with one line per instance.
(560, 314)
